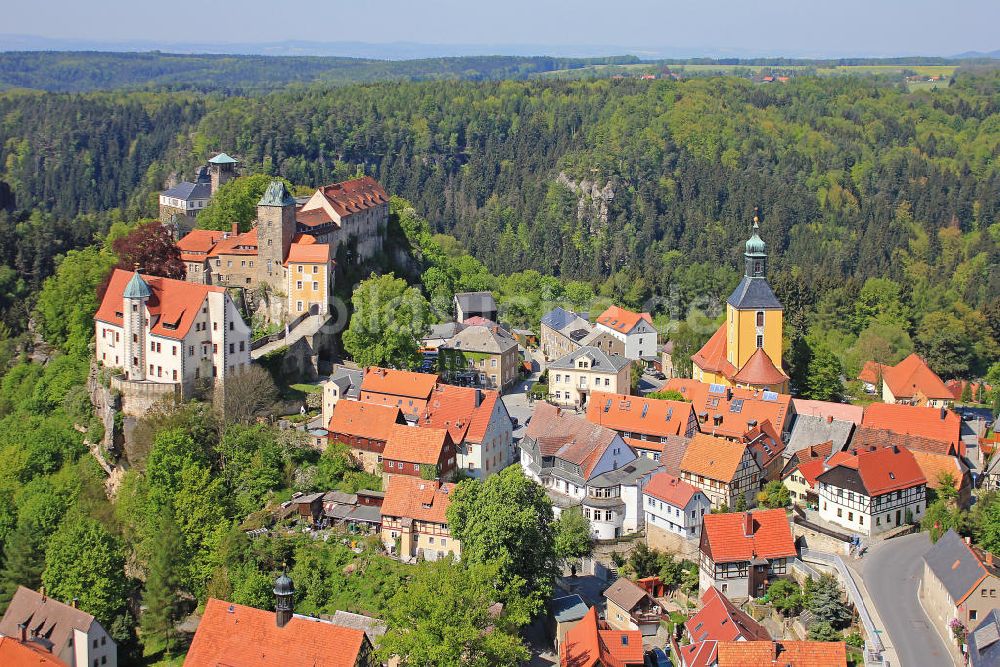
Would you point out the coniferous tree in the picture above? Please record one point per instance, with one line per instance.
(160, 595)
(23, 562)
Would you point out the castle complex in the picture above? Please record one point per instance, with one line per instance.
(290, 251)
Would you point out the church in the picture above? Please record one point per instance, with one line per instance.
(746, 350)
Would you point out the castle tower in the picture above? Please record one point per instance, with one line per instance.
(134, 300)
(284, 599)
(222, 168)
(275, 231)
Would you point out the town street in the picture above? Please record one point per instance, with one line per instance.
(891, 573)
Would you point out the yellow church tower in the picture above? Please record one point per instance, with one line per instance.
(746, 350)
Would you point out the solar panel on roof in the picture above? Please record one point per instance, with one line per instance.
(736, 405)
(645, 407)
(770, 396)
(716, 389)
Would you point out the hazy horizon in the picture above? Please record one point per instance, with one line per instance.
(646, 28)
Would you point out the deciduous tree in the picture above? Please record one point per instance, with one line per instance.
(236, 201)
(572, 535)
(388, 320)
(84, 560)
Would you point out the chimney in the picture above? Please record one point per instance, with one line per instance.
(729, 393)
(748, 524)
(23, 628)
(42, 591)
(829, 419)
(236, 228)
(75, 603)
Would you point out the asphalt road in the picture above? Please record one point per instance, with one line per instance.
(891, 574)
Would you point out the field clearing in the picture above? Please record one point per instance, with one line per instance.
(922, 70)
(944, 71)
(913, 86)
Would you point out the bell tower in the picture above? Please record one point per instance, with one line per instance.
(755, 252)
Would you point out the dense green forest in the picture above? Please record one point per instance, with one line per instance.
(643, 190)
(57, 71)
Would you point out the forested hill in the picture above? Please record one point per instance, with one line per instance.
(641, 188)
(57, 71)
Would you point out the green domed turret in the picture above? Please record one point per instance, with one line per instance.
(755, 244)
(756, 251)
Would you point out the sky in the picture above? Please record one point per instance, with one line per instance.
(807, 28)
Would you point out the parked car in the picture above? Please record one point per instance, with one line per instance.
(657, 658)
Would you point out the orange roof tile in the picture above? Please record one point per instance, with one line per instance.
(173, 304)
(721, 620)
(935, 423)
(871, 372)
(733, 407)
(398, 383)
(933, 466)
(913, 375)
(781, 654)
(314, 217)
(365, 420)
(197, 243)
(712, 457)
(635, 414)
(15, 654)
(810, 470)
(727, 539)
(712, 355)
(760, 371)
(865, 436)
(670, 489)
(416, 444)
(308, 253)
(241, 244)
(591, 642)
(622, 320)
(414, 498)
(232, 634)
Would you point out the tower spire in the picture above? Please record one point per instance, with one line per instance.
(756, 250)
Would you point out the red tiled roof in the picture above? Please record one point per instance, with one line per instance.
(591, 642)
(308, 253)
(733, 422)
(759, 370)
(621, 320)
(241, 244)
(721, 620)
(882, 470)
(197, 243)
(416, 444)
(913, 375)
(173, 304)
(699, 654)
(635, 414)
(712, 355)
(365, 420)
(664, 486)
(398, 383)
(865, 436)
(765, 442)
(727, 540)
(712, 457)
(782, 654)
(314, 217)
(840, 411)
(414, 498)
(450, 408)
(569, 437)
(355, 195)
(231, 635)
(957, 386)
(15, 654)
(935, 423)
(810, 470)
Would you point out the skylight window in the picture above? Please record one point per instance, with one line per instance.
(716, 389)
(736, 405)
(670, 413)
(645, 408)
(607, 406)
(770, 396)
(892, 475)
